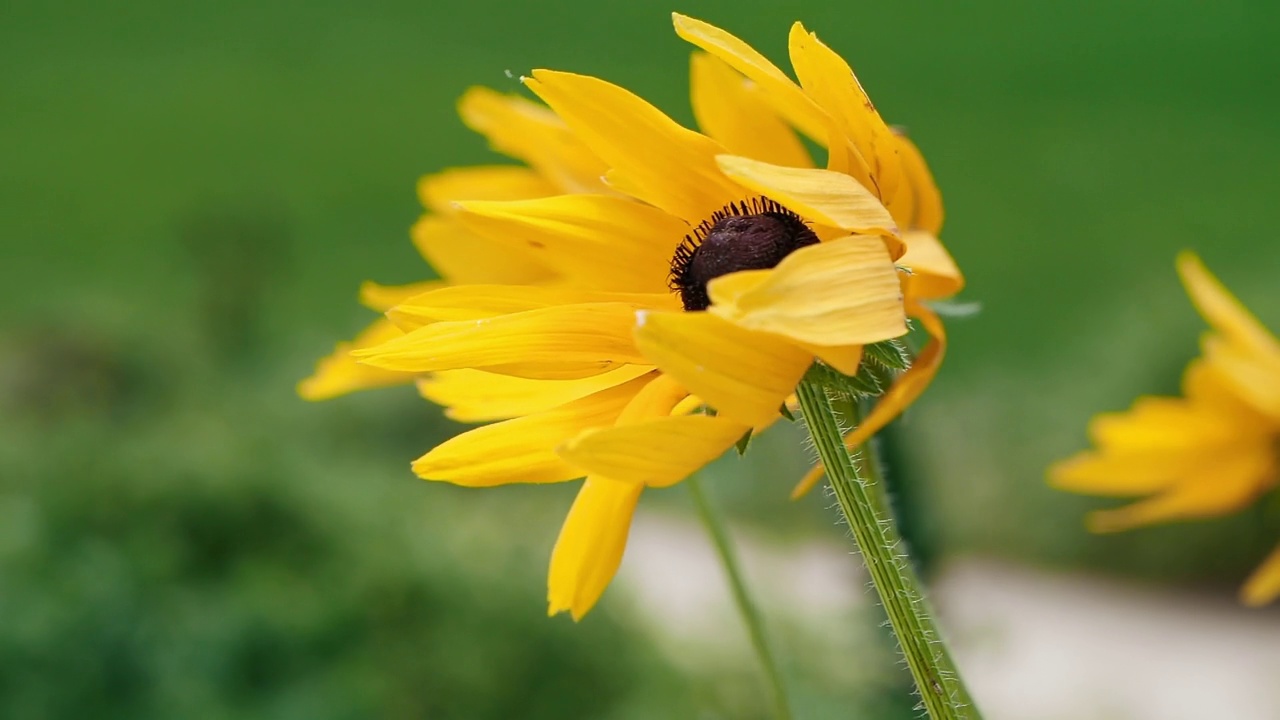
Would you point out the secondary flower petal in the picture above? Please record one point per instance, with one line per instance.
(339, 373)
(841, 292)
(594, 241)
(934, 274)
(586, 339)
(665, 164)
(926, 205)
(476, 395)
(590, 547)
(733, 111)
(439, 191)
(742, 374)
(656, 453)
(1263, 585)
(461, 256)
(523, 450)
(384, 297)
(1222, 310)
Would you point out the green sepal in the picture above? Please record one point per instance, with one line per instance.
(786, 413)
(743, 441)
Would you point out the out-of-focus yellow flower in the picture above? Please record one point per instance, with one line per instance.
(1208, 453)
(593, 366)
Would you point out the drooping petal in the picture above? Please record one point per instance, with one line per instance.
(477, 396)
(523, 450)
(733, 111)
(595, 241)
(934, 275)
(339, 373)
(461, 256)
(474, 302)
(742, 374)
(583, 339)
(1233, 482)
(384, 297)
(665, 164)
(591, 544)
(1222, 310)
(439, 191)
(841, 292)
(532, 133)
(927, 211)
(1263, 586)
(658, 452)
(901, 394)
(786, 97)
(825, 197)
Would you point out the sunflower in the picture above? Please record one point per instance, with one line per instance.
(684, 289)
(1212, 451)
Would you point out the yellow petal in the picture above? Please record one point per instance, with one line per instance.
(786, 97)
(927, 211)
(1230, 484)
(845, 359)
(439, 191)
(596, 241)
(934, 274)
(1122, 474)
(825, 197)
(474, 302)
(901, 394)
(829, 80)
(733, 111)
(590, 339)
(525, 130)
(339, 373)
(658, 452)
(461, 256)
(1160, 423)
(523, 450)
(1253, 375)
(1263, 585)
(665, 164)
(842, 292)
(384, 297)
(744, 375)
(476, 395)
(590, 547)
(1209, 388)
(1222, 310)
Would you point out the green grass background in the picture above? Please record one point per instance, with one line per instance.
(191, 194)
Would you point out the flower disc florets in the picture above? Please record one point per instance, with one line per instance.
(754, 234)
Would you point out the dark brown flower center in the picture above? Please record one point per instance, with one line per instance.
(752, 235)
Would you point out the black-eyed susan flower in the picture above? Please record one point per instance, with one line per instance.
(685, 288)
(1212, 451)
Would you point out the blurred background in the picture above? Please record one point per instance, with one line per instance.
(192, 193)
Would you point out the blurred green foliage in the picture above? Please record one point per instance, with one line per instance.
(193, 192)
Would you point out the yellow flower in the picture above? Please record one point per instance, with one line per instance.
(1208, 453)
(597, 368)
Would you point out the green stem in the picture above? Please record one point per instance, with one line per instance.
(741, 597)
(941, 690)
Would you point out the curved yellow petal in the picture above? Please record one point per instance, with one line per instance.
(477, 396)
(901, 394)
(927, 213)
(474, 302)
(1263, 586)
(384, 297)
(658, 452)
(829, 80)
(1160, 423)
(530, 132)
(1222, 310)
(591, 339)
(339, 373)
(1224, 487)
(461, 256)
(590, 547)
(439, 191)
(841, 292)
(825, 197)
(523, 450)
(934, 275)
(786, 97)
(732, 111)
(1254, 376)
(595, 241)
(744, 375)
(1123, 474)
(665, 164)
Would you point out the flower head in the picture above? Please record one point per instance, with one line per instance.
(1212, 451)
(677, 284)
